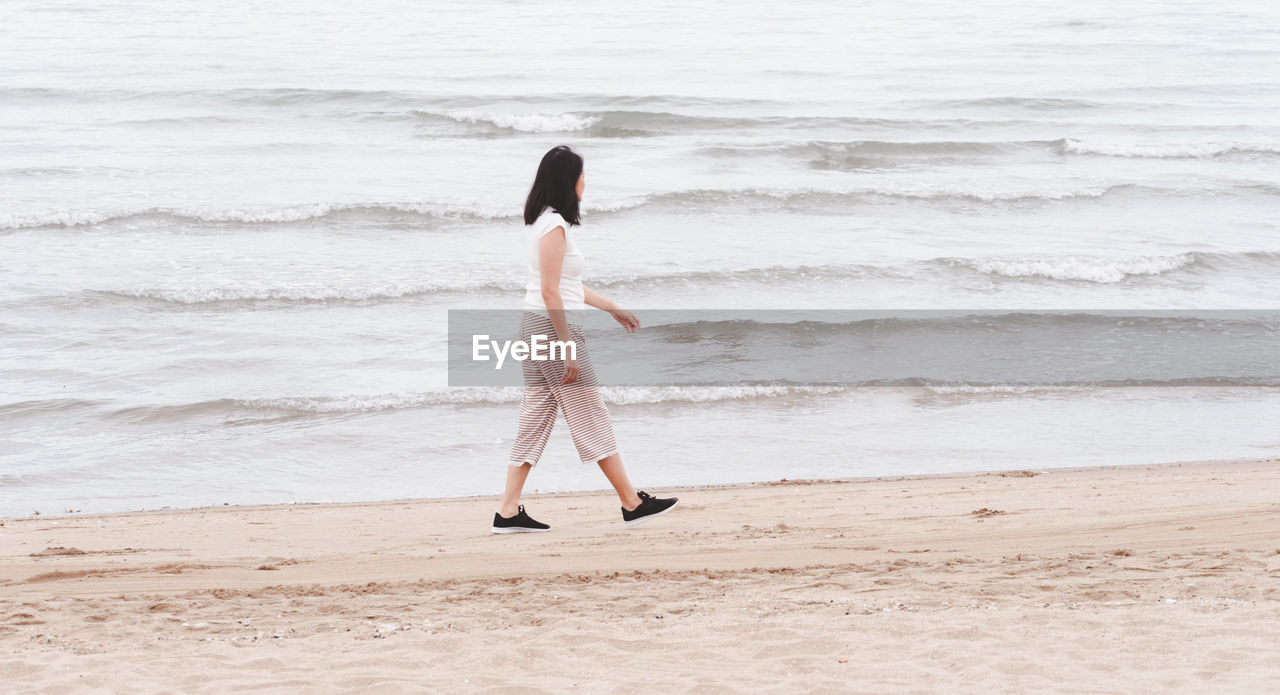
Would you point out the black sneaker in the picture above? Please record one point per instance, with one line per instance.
(649, 508)
(520, 523)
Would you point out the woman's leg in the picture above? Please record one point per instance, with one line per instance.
(538, 411)
(589, 423)
(612, 467)
(516, 476)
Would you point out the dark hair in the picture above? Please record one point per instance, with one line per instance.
(556, 184)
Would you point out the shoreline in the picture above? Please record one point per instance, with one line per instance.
(1140, 578)
(666, 489)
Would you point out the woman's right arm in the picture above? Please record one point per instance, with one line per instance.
(551, 249)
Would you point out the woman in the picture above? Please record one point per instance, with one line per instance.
(554, 299)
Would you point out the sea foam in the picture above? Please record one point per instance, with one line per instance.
(1083, 268)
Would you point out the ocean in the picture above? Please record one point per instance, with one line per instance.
(231, 232)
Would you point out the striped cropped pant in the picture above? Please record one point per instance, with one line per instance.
(544, 397)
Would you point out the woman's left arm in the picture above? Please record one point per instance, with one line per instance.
(622, 316)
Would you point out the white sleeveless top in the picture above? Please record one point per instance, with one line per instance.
(571, 292)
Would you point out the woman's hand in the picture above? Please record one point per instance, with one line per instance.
(626, 318)
(570, 371)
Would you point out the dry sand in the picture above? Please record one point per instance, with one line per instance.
(1145, 579)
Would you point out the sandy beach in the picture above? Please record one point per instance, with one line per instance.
(1131, 579)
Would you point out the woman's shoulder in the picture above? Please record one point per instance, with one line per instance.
(549, 220)
(550, 213)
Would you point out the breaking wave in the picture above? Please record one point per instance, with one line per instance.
(1085, 269)
(1082, 268)
(1186, 150)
